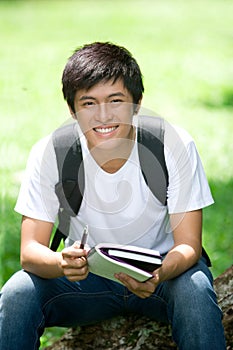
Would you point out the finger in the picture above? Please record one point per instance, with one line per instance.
(141, 289)
(73, 276)
(75, 263)
(75, 272)
(129, 282)
(73, 253)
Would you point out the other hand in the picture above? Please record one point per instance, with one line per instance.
(141, 289)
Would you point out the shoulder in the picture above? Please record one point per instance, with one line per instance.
(42, 146)
(178, 143)
(41, 153)
(176, 133)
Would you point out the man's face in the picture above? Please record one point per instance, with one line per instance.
(104, 113)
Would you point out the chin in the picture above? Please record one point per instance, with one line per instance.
(108, 145)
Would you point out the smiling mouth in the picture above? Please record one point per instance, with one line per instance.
(105, 130)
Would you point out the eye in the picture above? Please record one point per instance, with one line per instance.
(88, 104)
(116, 100)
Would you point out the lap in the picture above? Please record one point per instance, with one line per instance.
(63, 303)
(99, 295)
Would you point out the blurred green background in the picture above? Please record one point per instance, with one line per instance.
(184, 49)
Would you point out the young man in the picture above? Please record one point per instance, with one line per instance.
(103, 87)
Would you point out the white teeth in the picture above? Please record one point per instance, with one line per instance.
(105, 130)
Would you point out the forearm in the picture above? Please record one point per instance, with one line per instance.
(36, 257)
(41, 261)
(179, 259)
(187, 233)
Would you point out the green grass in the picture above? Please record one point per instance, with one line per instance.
(185, 52)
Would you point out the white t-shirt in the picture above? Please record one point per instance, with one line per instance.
(119, 207)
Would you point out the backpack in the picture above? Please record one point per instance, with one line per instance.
(71, 184)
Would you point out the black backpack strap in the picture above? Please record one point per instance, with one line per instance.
(206, 256)
(151, 155)
(70, 186)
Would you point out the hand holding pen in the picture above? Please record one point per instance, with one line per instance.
(74, 263)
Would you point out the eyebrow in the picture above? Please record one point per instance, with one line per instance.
(117, 94)
(86, 97)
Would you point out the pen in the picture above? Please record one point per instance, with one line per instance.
(84, 237)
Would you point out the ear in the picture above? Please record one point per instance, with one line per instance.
(137, 106)
(73, 114)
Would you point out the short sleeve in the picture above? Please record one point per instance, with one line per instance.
(37, 198)
(188, 187)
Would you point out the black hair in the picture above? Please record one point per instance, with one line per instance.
(101, 61)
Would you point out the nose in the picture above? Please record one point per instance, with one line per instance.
(104, 113)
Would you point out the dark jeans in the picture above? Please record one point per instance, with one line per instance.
(29, 303)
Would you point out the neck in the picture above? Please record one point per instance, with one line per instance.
(111, 160)
(113, 166)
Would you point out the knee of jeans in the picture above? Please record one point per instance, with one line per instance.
(194, 283)
(18, 287)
